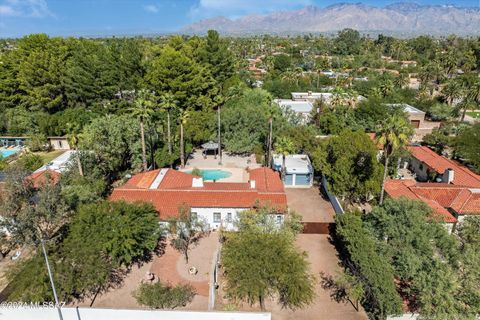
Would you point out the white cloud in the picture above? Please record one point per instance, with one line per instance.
(25, 8)
(233, 8)
(151, 8)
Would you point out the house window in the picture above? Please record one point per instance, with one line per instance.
(193, 216)
(421, 166)
(60, 144)
(217, 217)
(279, 219)
(229, 217)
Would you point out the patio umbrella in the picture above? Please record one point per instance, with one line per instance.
(210, 145)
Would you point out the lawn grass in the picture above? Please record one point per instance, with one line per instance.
(49, 156)
(473, 114)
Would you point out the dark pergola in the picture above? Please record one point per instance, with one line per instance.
(210, 146)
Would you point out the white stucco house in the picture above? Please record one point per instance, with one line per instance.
(218, 204)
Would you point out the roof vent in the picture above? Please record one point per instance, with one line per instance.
(158, 179)
(253, 184)
(197, 182)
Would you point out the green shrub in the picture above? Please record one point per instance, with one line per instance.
(38, 142)
(30, 161)
(197, 172)
(164, 296)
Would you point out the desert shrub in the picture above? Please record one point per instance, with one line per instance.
(164, 296)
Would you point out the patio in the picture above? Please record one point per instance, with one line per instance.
(198, 160)
(170, 267)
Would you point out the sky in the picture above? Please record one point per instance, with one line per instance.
(128, 17)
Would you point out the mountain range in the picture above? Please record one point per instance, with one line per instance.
(396, 19)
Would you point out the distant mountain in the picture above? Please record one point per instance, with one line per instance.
(398, 18)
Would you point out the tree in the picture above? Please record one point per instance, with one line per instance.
(143, 110)
(422, 253)
(260, 260)
(349, 162)
(282, 62)
(364, 259)
(466, 144)
(73, 138)
(393, 134)
(187, 230)
(347, 42)
(284, 146)
(168, 103)
(115, 142)
(184, 115)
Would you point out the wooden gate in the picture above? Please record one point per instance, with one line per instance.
(317, 227)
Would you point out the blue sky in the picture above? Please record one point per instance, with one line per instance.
(110, 17)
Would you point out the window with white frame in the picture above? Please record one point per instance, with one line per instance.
(279, 219)
(217, 217)
(229, 217)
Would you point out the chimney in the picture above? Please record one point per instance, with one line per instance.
(252, 184)
(197, 182)
(448, 175)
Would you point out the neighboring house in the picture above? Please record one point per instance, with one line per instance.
(56, 143)
(59, 143)
(302, 108)
(454, 190)
(430, 166)
(450, 203)
(417, 120)
(298, 170)
(323, 96)
(40, 178)
(216, 203)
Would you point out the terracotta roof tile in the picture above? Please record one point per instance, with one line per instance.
(405, 188)
(40, 178)
(176, 189)
(462, 175)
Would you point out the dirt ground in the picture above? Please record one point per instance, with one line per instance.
(171, 268)
(310, 204)
(322, 257)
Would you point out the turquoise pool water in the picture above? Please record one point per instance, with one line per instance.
(8, 153)
(214, 174)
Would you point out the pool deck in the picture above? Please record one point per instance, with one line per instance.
(238, 174)
(235, 164)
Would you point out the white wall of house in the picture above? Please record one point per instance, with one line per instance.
(420, 169)
(224, 217)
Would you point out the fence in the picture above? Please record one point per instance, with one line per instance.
(49, 313)
(337, 206)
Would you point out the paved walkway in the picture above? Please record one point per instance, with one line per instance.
(197, 160)
(310, 204)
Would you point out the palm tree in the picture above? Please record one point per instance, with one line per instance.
(393, 134)
(284, 146)
(143, 109)
(471, 85)
(167, 103)
(183, 120)
(452, 91)
(271, 112)
(73, 138)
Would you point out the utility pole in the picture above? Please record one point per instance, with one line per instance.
(51, 280)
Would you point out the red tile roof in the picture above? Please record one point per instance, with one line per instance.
(40, 178)
(461, 199)
(403, 188)
(462, 175)
(175, 190)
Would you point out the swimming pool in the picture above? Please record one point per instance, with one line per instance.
(7, 153)
(214, 174)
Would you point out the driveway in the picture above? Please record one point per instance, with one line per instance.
(310, 204)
